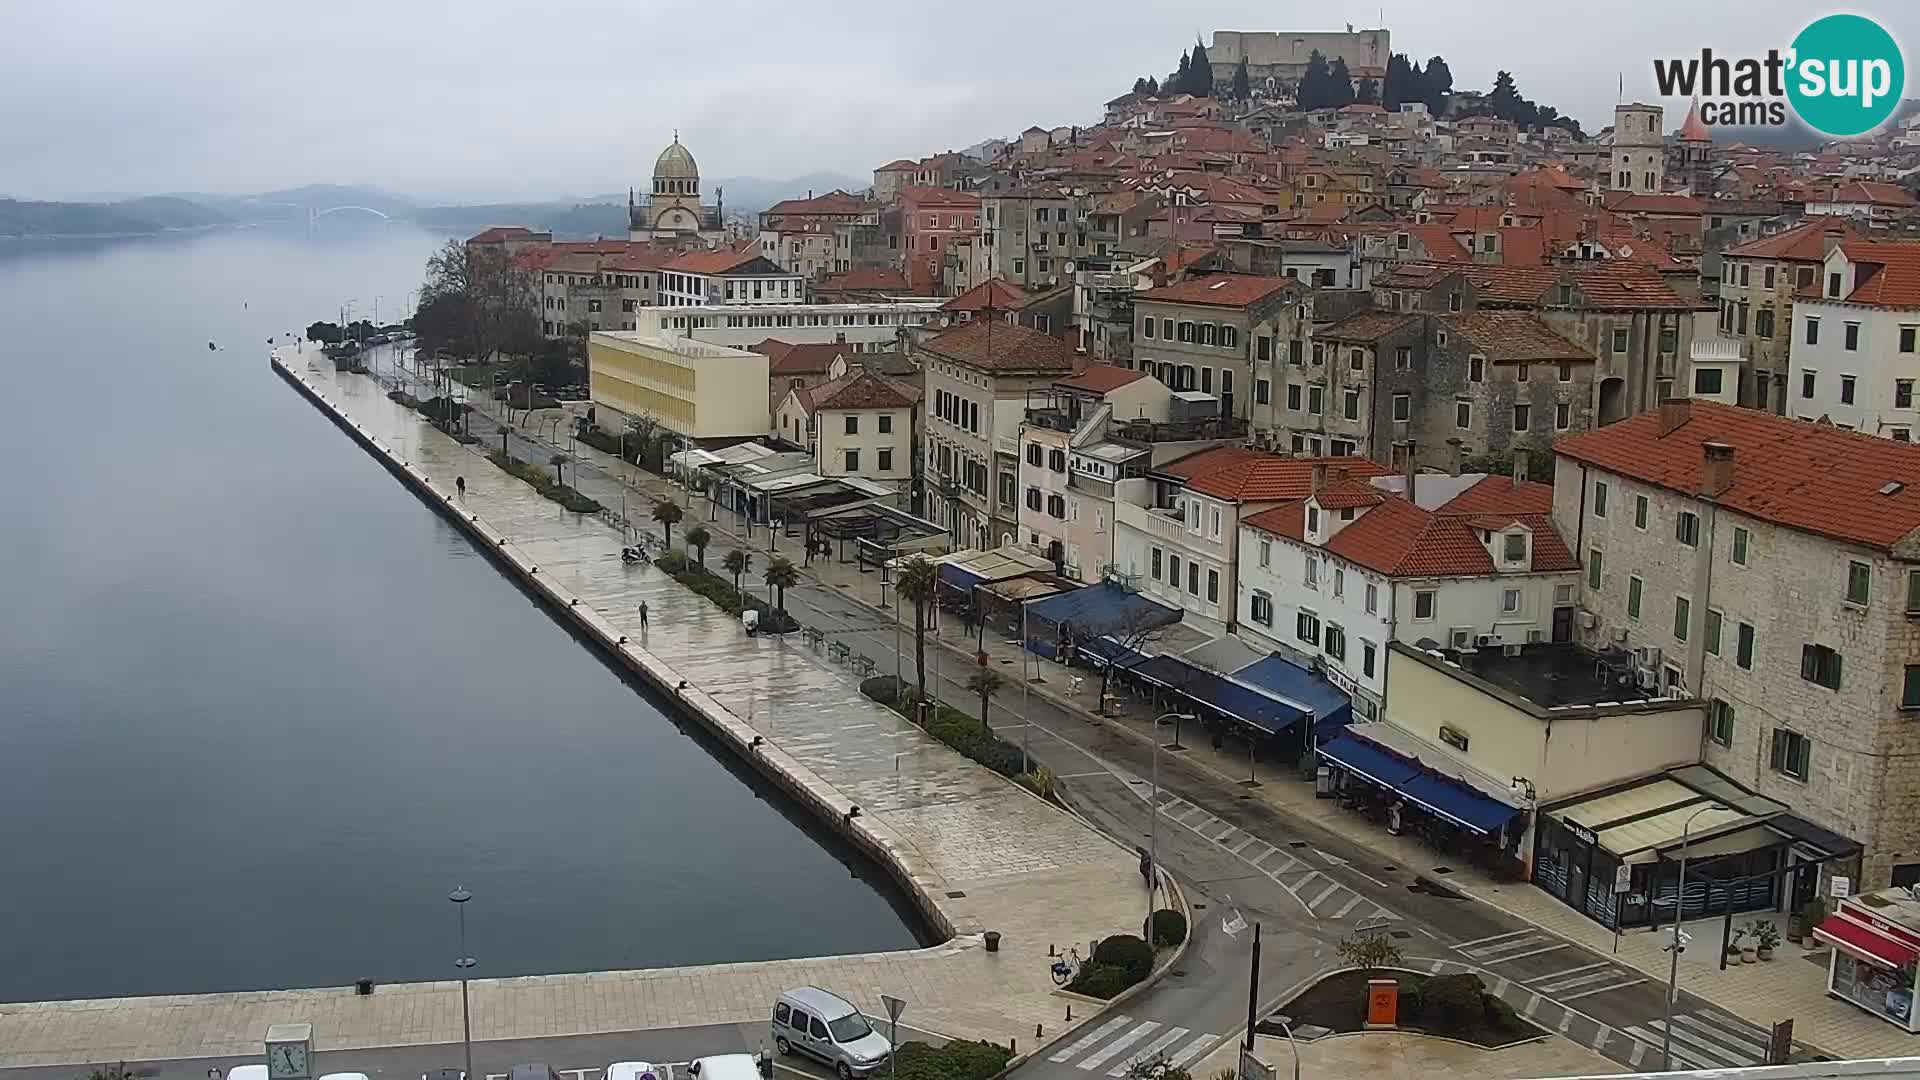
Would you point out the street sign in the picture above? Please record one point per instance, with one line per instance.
(1252, 1068)
(1623, 878)
(1841, 887)
(894, 1007)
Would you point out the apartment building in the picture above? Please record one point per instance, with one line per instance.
(865, 327)
(931, 219)
(1030, 235)
(1463, 563)
(1177, 530)
(1854, 360)
(587, 290)
(1767, 566)
(728, 276)
(1209, 334)
(817, 236)
(705, 394)
(862, 423)
(1759, 282)
(977, 377)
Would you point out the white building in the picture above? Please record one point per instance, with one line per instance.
(1338, 575)
(1772, 568)
(1854, 358)
(861, 423)
(867, 327)
(728, 276)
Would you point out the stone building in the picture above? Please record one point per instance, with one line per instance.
(1758, 281)
(1277, 58)
(1639, 155)
(672, 209)
(1769, 567)
(1208, 334)
(1856, 344)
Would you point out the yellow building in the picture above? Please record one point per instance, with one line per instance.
(699, 391)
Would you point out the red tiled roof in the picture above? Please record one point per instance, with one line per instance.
(1811, 477)
(1220, 290)
(884, 279)
(900, 165)
(1888, 274)
(1367, 326)
(1102, 378)
(1872, 191)
(999, 346)
(941, 197)
(1238, 474)
(833, 202)
(1502, 495)
(1513, 337)
(1605, 287)
(1805, 242)
(1627, 202)
(862, 389)
(711, 262)
(500, 233)
(1347, 493)
(996, 293)
(812, 358)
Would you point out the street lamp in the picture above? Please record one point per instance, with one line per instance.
(1673, 965)
(1289, 1031)
(465, 963)
(885, 588)
(1153, 828)
(1524, 788)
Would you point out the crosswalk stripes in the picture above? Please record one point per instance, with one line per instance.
(1704, 1040)
(1124, 1041)
(1513, 945)
(1318, 892)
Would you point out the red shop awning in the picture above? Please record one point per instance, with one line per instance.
(1865, 941)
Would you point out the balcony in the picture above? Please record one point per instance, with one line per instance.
(1052, 419)
(1146, 433)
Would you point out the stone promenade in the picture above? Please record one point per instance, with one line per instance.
(979, 852)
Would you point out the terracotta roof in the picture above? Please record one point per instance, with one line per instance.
(711, 262)
(1102, 378)
(1605, 287)
(1242, 475)
(869, 279)
(1872, 191)
(993, 345)
(862, 389)
(1887, 274)
(996, 293)
(1347, 493)
(813, 358)
(1811, 477)
(1288, 520)
(1627, 202)
(1220, 290)
(901, 165)
(833, 202)
(1513, 337)
(1805, 242)
(501, 233)
(1402, 540)
(1692, 130)
(1502, 495)
(941, 197)
(1367, 326)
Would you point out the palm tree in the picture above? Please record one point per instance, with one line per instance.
(737, 563)
(915, 583)
(780, 576)
(666, 513)
(699, 537)
(559, 462)
(985, 682)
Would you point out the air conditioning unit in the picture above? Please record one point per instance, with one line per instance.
(1648, 678)
(1647, 656)
(1587, 619)
(1511, 650)
(1620, 635)
(1676, 692)
(1484, 641)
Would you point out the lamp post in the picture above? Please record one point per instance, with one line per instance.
(1153, 819)
(1673, 947)
(1523, 787)
(465, 963)
(885, 588)
(1290, 1042)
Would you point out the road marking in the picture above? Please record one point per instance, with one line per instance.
(1149, 1051)
(1242, 845)
(1623, 984)
(1638, 1052)
(1332, 887)
(1600, 1038)
(1655, 1042)
(1702, 1047)
(1301, 884)
(1500, 986)
(1437, 966)
(1731, 1037)
(1465, 945)
(1533, 1005)
(1117, 1046)
(1075, 775)
(1193, 1050)
(1348, 906)
(1086, 1041)
(1508, 946)
(1224, 833)
(1524, 955)
(1566, 1020)
(1568, 971)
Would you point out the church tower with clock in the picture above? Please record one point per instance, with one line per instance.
(672, 210)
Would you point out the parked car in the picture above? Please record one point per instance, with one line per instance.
(638, 1070)
(724, 1067)
(536, 1071)
(809, 1020)
(444, 1074)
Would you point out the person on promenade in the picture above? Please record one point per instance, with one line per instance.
(643, 616)
(460, 485)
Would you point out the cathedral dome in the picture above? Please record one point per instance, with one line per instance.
(675, 163)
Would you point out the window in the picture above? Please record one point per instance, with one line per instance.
(1516, 547)
(1813, 331)
(1033, 454)
(1859, 582)
(1294, 349)
(1462, 413)
(1350, 405)
(1706, 380)
(1316, 396)
(1019, 267)
(885, 461)
(853, 425)
(1336, 642)
(1620, 339)
(1156, 564)
(1357, 360)
(1807, 380)
(1213, 586)
(1594, 563)
(1293, 396)
(1266, 553)
(1263, 347)
(1184, 330)
(1910, 688)
(1402, 406)
(1763, 323)
(1903, 393)
(1310, 576)
(1743, 647)
(1453, 302)
(1522, 416)
(1146, 327)
(1640, 512)
(1634, 588)
(1402, 358)
(1423, 605)
(1562, 416)
(1367, 651)
(1682, 617)
(853, 461)
(1193, 578)
(1057, 460)
(1260, 609)
(1339, 581)
(1206, 333)
(1846, 389)
(1522, 372)
(1742, 541)
(1373, 598)
(1229, 337)
(1906, 338)
(1913, 592)
(1306, 627)
(1173, 570)
(1510, 601)
(1476, 368)
(1033, 498)
(1599, 498)
(1686, 528)
(1565, 372)
(1792, 752)
(1713, 625)
(1262, 391)
(1720, 723)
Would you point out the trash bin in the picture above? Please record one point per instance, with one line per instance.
(750, 618)
(993, 940)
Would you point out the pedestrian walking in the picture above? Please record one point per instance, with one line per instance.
(460, 485)
(643, 616)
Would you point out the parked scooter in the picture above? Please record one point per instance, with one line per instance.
(634, 554)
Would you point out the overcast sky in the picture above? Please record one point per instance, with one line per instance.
(482, 99)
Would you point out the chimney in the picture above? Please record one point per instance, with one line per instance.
(1319, 476)
(1673, 413)
(1832, 236)
(1455, 449)
(1716, 470)
(1520, 463)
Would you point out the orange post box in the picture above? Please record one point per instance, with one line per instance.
(1383, 1003)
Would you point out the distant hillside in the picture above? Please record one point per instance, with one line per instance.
(576, 221)
(134, 217)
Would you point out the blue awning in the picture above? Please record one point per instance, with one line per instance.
(1330, 704)
(1458, 804)
(958, 578)
(1377, 765)
(1101, 609)
(1209, 690)
(1109, 651)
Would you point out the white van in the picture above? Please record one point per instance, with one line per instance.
(725, 1067)
(811, 1021)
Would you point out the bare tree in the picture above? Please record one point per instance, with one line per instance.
(1133, 628)
(499, 303)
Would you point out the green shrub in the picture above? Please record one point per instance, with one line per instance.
(1369, 952)
(1412, 1001)
(609, 443)
(538, 479)
(1501, 1016)
(1127, 951)
(960, 1060)
(1456, 1003)
(1101, 980)
(1169, 928)
(721, 593)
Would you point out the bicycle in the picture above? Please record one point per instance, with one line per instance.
(1066, 967)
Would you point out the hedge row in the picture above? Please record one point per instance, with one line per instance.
(721, 592)
(1118, 962)
(959, 1060)
(545, 485)
(958, 730)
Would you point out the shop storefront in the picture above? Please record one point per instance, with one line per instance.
(1876, 943)
(1409, 786)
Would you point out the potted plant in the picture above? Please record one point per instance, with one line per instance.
(1767, 936)
(1733, 943)
(1749, 951)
